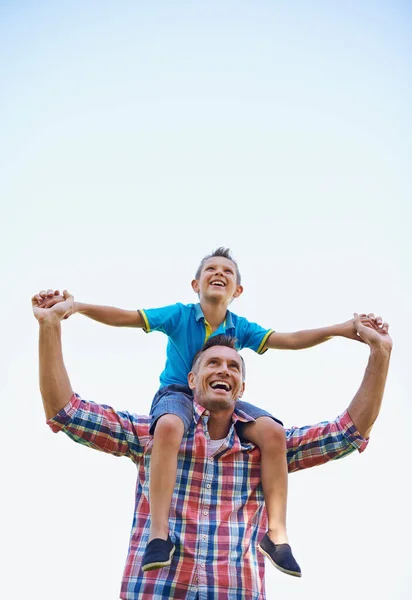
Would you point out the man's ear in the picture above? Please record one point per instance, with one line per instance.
(238, 291)
(242, 389)
(191, 380)
(195, 286)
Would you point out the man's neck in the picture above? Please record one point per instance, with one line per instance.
(219, 424)
(214, 313)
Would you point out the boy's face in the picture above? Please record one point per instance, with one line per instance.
(217, 281)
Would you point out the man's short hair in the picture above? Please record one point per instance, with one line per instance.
(225, 253)
(218, 340)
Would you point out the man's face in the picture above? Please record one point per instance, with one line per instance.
(217, 280)
(218, 380)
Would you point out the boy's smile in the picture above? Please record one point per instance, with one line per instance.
(217, 280)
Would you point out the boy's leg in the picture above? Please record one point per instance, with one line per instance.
(172, 414)
(269, 436)
(163, 471)
(162, 479)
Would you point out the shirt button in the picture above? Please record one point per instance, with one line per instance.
(206, 413)
(205, 512)
(208, 486)
(204, 537)
(202, 565)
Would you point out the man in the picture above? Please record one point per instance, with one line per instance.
(217, 514)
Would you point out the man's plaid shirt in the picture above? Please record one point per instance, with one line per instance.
(217, 515)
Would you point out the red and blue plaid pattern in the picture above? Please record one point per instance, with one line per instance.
(217, 515)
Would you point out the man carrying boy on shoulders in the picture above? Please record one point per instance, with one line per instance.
(217, 511)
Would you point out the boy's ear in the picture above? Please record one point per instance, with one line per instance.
(191, 380)
(195, 286)
(238, 291)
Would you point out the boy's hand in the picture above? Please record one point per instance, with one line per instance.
(50, 298)
(61, 308)
(349, 330)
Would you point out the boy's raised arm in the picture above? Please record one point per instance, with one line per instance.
(109, 315)
(307, 338)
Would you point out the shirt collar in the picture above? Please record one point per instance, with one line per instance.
(199, 315)
(198, 411)
(198, 312)
(238, 414)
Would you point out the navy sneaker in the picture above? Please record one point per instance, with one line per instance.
(158, 554)
(280, 555)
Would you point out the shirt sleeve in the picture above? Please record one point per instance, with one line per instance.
(101, 427)
(165, 319)
(317, 444)
(251, 335)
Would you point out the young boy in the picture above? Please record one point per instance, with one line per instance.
(217, 282)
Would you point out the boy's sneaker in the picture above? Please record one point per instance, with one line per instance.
(280, 555)
(158, 554)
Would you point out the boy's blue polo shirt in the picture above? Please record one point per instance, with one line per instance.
(187, 330)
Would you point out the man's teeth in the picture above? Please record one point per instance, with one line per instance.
(221, 385)
(218, 283)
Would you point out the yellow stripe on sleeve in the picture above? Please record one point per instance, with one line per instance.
(262, 349)
(146, 327)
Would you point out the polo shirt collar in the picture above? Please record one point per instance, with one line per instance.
(198, 312)
(199, 315)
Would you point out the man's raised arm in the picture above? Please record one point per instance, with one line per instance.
(55, 385)
(365, 406)
(313, 445)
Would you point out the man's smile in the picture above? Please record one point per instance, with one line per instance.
(220, 385)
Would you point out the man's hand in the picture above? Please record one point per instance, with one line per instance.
(52, 306)
(49, 298)
(348, 328)
(373, 331)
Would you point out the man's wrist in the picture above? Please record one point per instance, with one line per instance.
(379, 349)
(379, 359)
(51, 321)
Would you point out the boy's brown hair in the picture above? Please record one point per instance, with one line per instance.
(225, 253)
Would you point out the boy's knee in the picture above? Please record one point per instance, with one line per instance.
(270, 432)
(169, 427)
